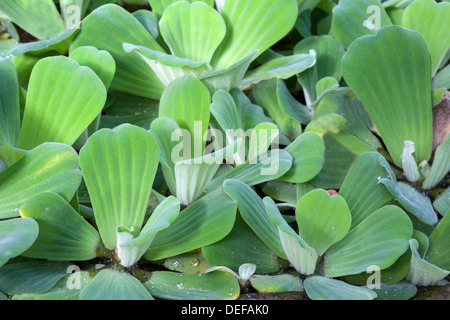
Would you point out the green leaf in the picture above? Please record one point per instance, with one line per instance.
(412, 200)
(274, 165)
(189, 262)
(329, 54)
(56, 44)
(422, 272)
(281, 68)
(241, 246)
(206, 221)
(253, 211)
(100, 61)
(442, 203)
(193, 175)
(442, 79)
(308, 156)
(357, 120)
(130, 251)
(379, 240)
(353, 19)
(438, 251)
(63, 99)
(322, 219)
(192, 31)
(321, 288)
(229, 77)
(52, 167)
(132, 73)
(40, 18)
(119, 167)
(396, 291)
(253, 25)
(159, 6)
(149, 20)
(431, 20)
(63, 233)
(31, 276)
(217, 285)
(327, 123)
(341, 151)
(361, 189)
(162, 129)
(278, 283)
(440, 166)
(109, 284)
(168, 67)
(290, 106)
(9, 103)
(301, 256)
(398, 98)
(261, 138)
(187, 101)
(64, 289)
(16, 236)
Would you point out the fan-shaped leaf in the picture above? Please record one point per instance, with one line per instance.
(114, 285)
(63, 99)
(52, 167)
(119, 167)
(192, 31)
(16, 236)
(38, 17)
(322, 219)
(390, 73)
(63, 232)
(378, 240)
(431, 20)
(253, 25)
(108, 28)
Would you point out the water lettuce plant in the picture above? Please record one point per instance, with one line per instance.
(193, 150)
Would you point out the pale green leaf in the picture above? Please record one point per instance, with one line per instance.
(63, 233)
(379, 240)
(119, 167)
(63, 99)
(394, 86)
(16, 236)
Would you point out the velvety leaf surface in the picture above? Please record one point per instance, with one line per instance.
(351, 19)
(16, 236)
(119, 167)
(321, 288)
(100, 61)
(9, 103)
(207, 220)
(322, 219)
(241, 246)
(50, 167)
(63, 99)
(63, 233)
(39, 17)
(114, 285)
(159, 6)
(431, 20)
(378, 240)
(361, 189)
(107, 28)
(31, 276)
(253, 25)
(217, 285)
(308, 156)
(187, 101)
(390, 73)
(192, 31)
